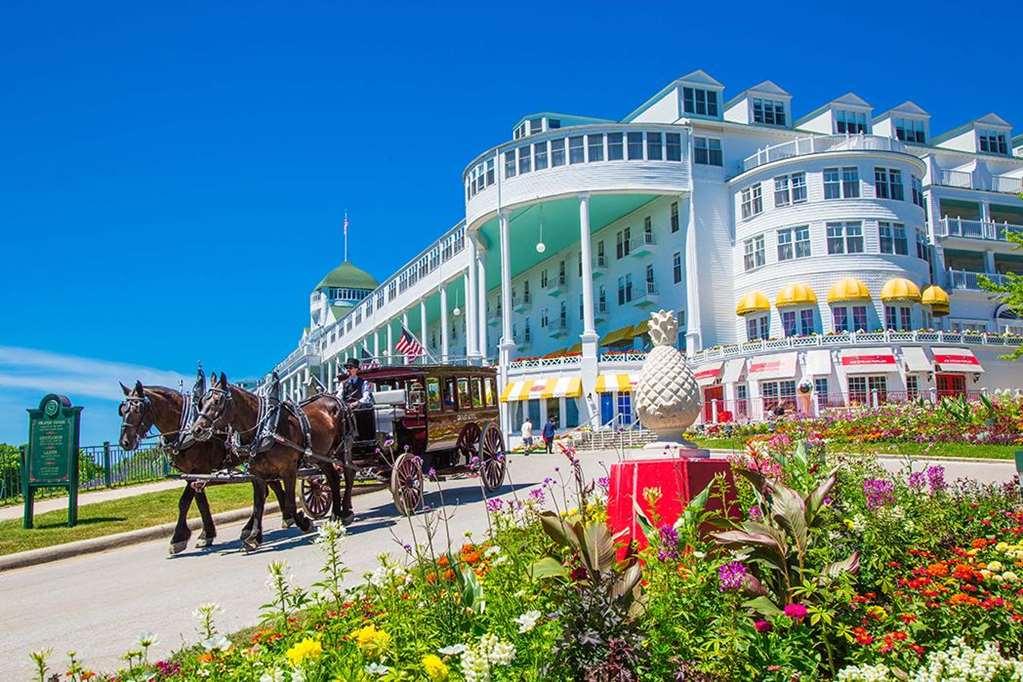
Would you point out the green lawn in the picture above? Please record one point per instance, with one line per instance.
(935, 450)
(115, 516)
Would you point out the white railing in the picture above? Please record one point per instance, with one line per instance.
(855, 339)
(524, 364)
(964, 279)
(626, 357)
(967, 180)
(977, 229)
(820, 144)
(1000, 183)
(954, 178)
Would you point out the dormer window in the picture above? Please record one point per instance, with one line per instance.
(992, 142)
(850, 122)
(553, 123)
(535, 125)
(768, 111)
(700, 102)
(910, 130)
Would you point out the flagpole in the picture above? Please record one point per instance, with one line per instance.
(426, 351)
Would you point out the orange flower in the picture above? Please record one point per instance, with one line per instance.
(449, 574)
(472, 557)
(443, 561)
(206, 657)
(431, 578)
(962, 599)
(937, 570)
(963, 572)
(980, 543)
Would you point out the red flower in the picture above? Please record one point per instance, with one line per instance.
(863, 638)
(762, 625)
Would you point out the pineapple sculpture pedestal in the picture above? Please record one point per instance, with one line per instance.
(667, 397)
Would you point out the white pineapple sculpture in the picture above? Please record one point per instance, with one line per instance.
(668, 397)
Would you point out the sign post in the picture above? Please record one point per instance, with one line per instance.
(51, 459)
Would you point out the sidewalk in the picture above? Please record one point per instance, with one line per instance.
(15, 511)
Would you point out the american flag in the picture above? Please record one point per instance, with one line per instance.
(408, 345)
(367, 361)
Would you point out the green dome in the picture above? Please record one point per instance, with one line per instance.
(347, 275)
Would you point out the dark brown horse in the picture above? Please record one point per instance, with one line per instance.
(162, 407)
(231, 407)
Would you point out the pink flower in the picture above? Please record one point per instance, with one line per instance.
(762, 625)
(796, 612)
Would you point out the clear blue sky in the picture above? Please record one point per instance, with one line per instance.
(172, 180)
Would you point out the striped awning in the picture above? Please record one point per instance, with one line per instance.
(541, 389)
(708, 374)
(956, 360)
(612, 382)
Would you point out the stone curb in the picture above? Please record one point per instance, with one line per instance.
(68, 550)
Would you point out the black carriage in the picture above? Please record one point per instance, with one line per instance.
(425, 420)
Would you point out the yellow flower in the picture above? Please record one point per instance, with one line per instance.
(435, 668)
(876, 612)
(307, 649)
(371, 642)
(1010, 577)
(1002, 546)
(995, 567)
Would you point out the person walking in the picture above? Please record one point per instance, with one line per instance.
(527, 435)
(549, 429)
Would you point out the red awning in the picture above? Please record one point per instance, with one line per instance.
(780, 366)
(708, 374)
(869, 361)
(956, 360)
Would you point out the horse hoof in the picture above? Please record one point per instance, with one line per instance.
(250, 544)
(204, 543)
(348, 519)
(287, 523)
(178, 547)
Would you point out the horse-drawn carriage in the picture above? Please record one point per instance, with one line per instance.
(426, 420)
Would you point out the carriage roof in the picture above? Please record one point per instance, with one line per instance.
(419, 371)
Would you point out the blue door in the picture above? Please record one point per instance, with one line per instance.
(625, 408)
(607, 408)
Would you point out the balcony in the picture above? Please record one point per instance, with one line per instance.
(967, 180)
(556, 286)
(647, 296)
(964, 279)
(521, 304)
(557, 329)
(977, 229)
(643, 245)
(600, 266)
(821, 144)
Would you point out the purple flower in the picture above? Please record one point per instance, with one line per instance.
(408, 549)
(669, 543)
(731, 576)
(755, 514)
(495, 505)
(547, 482)
(537, 494)
(432, 473)
(916, 480)
(879, 492)
(796, 612)
(936, 479)
(604, 483)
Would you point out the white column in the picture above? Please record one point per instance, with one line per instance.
(985, 211)
(588, 364)
(471, 300)
(481, 316)
(422, 322)
(390, 342)
(376, 344)
(404, 323)
(693, 337)
(444, 322)
(989, 261)
(507, 342)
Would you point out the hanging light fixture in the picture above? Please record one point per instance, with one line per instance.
(457, 311)
(540, 246)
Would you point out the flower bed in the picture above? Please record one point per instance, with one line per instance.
(836, 570)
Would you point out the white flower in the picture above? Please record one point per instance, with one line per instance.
(492, 551)
(274, 675)
(527, 621)
(452, 650)
(147, 639)
(216, 643)
(208, 609)
(503, 653)
(377, 669)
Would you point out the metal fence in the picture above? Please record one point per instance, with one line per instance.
(99, 466)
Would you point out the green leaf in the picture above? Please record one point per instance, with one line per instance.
(547, 567)
(556, 529)
(764, 606)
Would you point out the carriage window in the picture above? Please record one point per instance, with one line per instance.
(489, 388)
(449, 394)
(477, 392)
(433, 394)
(463, 394)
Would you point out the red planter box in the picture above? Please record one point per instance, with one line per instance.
(679, 479)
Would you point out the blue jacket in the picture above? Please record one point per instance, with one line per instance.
(548, 430)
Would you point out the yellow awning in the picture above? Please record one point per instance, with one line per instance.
(753, 302)
(615, 382)
(618, 335)
(641, 328)
(935, 296)
(541, 389)
(900, 289)
(575, 349)
(848, 289)
(795, 294)
(567, 387)
(939, 310)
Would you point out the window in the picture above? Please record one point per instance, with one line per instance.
(625, 289)
(910, 130)
(509, 164)
(701, 102)
(840, 319)
(527, 334)
(863, 389)
(768, 112)
(653, 146)
(707, 151)
(539, 155)
(832, 186)
(893, 238)
(524, 160)
(788, 322)
(898, 318)
(859, 317)
(785, 248)
(820, 389)
(802, 234)
(581, 306)
(673, 146)
(595, 147)
(752, 201)
(648, 230)
(535, 125)
(754, 253)
(651, 286)
(526, 298)
(464, 401)
(881, 183)
(602, 299)
(850, 183)
(490, 172)
(561, 272)
(676, 267)
(777, 393)
(614, 147)
(575, 150)
(635, 145)
(477, 392)
(553, 123)
(579, 261)
(601, 259)
(757, 327)
(790, 189)
(912, 387)
(851, 122)
(543, 278)
(674, 216)
(563, 315)
(558, 152)
(888, 184)
(622, 245)
(992, 141)
(845, 237)
(806, 325)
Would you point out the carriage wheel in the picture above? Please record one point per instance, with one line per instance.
(468, 443)
(407, 483)
(492, 457)
(315, 496)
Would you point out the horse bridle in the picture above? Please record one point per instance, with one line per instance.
(222, 412)
(144, 409)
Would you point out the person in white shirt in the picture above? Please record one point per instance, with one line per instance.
(527, 434)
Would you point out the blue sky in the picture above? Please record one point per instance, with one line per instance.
(172, 180)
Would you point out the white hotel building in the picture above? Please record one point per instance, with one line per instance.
(840, 248)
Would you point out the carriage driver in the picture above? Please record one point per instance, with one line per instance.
(355, 391)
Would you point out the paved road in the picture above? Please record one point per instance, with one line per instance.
(97, 604)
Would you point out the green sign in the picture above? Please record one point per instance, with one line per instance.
(51, 459)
